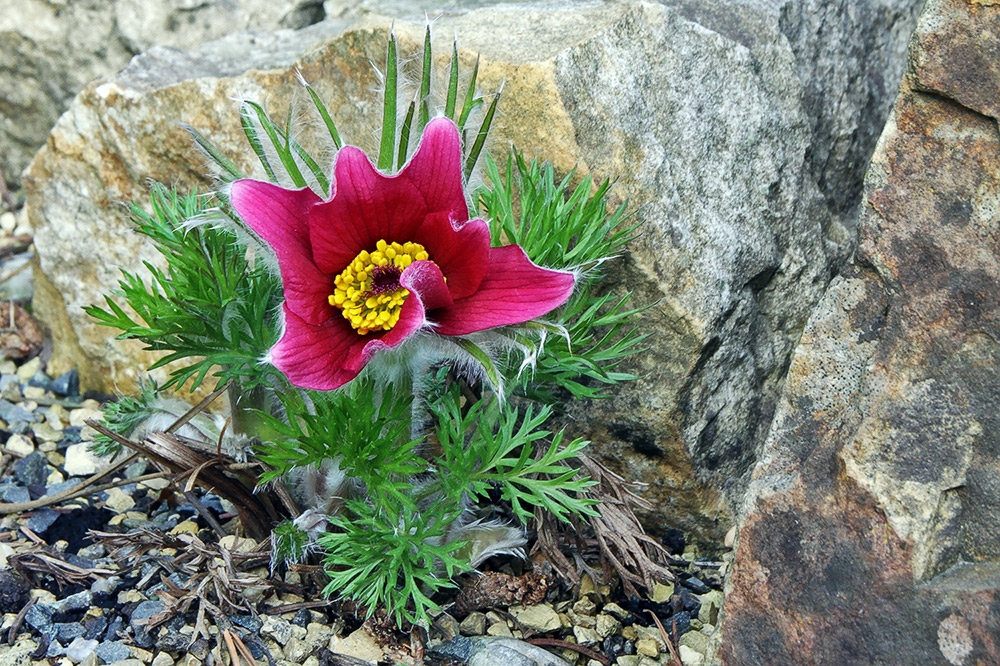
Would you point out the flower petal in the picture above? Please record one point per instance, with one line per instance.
(513, 291)
(366, 208)
(277, 214)
(426, 281)
(436, 169)
(462, 253)
(412, 317)
(279, 217)
(321, 357)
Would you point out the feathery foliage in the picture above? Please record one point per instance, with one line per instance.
(209, 307)
(403, 522)
(382, 553)
(493, 446)
(367, 431)
(566, 227)
(123, 416)
(289, 543)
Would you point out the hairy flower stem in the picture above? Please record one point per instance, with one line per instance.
(244, 406)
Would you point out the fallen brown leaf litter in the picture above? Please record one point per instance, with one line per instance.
(20, 335)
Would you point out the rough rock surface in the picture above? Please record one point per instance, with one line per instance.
(716, 117)
(873, 527)
(749, 174)
(53, 48)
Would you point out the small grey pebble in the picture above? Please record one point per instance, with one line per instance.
(14, 591)
(491, 650)
(67, 631)
(55, 650)
(67, 384)
(19, 427)
(32, 470)
(144, 640)
(172, 641)
(11, 413)
(696, 585)
(114, 626)
(42, 520)
(16, 494)
(82, 562)
(79, 601)
(136, 469)
(164, 522)
(249, 622)
(95, 627)
(40, 379)
(212, 502)
(56, 488)
(112, 651)
(179, 579)
(80, 649)
(145, 610)
(39, 616)
(302, 617)
(254, 647)
(105, 585)
(92, 552)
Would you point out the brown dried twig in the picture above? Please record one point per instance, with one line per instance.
(182, 456)
(566, 645)
(552, 536)
(671, 642)
(83, 488)
(238, 651)
(38, 560)
(15, 628)
(299, 605)
(623, 541)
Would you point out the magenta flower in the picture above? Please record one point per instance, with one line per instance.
(386, 257)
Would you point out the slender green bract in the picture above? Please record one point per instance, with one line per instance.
(385, 150)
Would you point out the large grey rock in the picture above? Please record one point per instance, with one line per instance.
(490, 650)
(53, 48)
(872, 529)
(143, 24)
(717, 117)
(747, 141)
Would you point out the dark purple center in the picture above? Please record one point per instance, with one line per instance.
(385, 279)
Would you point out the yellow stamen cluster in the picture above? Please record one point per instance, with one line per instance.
(368, 290)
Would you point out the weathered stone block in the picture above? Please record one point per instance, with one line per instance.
(873, 527)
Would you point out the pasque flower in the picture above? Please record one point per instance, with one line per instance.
(386, 257)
